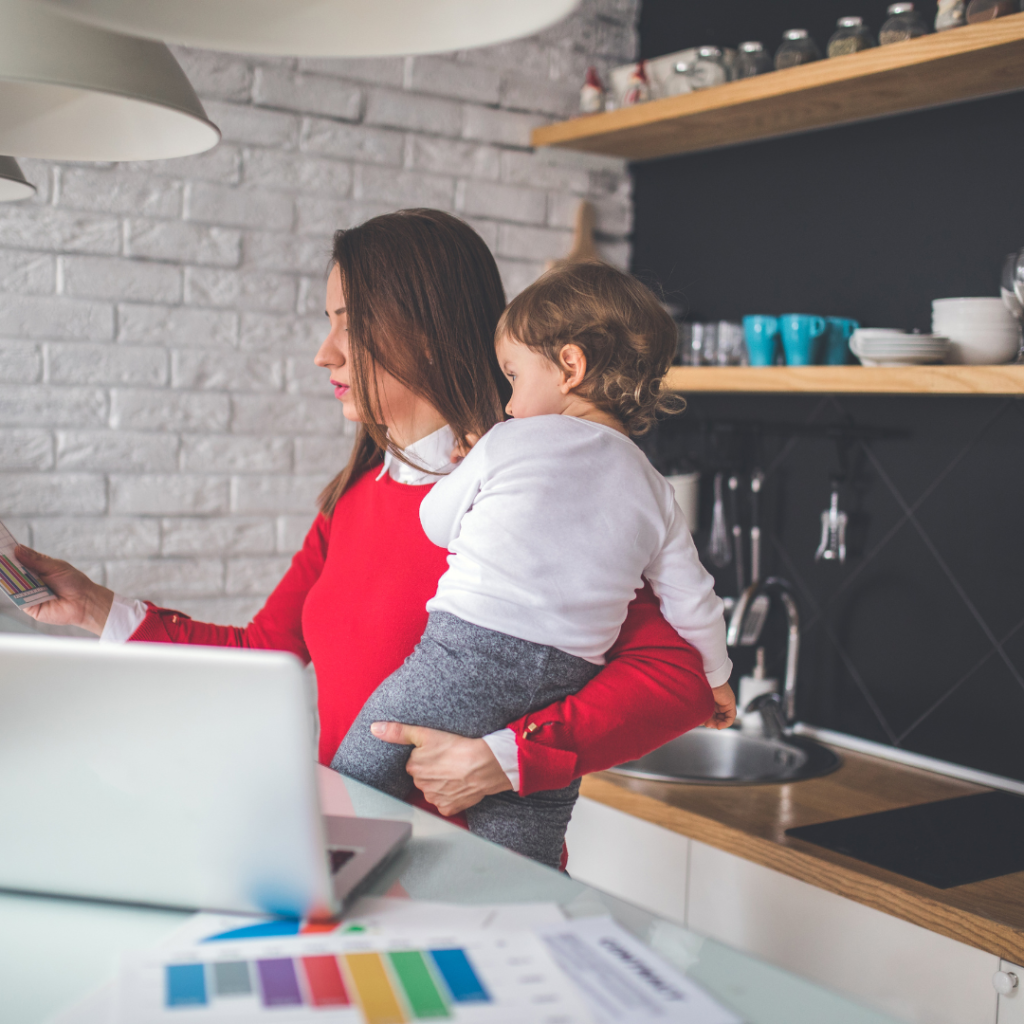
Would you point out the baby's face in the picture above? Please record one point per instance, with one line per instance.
(535, 379)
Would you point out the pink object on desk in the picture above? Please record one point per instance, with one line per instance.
(334, 798)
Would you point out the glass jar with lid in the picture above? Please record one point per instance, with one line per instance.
(985, 10)
(851, 35)
(752, 59)
(797, 48)
(903, 23)
(707, 69)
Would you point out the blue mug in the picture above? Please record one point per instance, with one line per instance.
(761, 334)
(837, 340)
(801, 333)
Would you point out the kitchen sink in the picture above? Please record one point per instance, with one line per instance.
(729, 757)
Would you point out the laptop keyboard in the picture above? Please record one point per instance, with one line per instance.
(339, 858)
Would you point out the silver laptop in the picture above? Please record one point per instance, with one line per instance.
(172, 776)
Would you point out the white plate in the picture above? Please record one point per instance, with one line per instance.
(882, 350)
(908, 361)
(906, 345)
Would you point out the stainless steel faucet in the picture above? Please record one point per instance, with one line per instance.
(773, 587)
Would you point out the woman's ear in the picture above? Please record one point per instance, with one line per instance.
(573, 364)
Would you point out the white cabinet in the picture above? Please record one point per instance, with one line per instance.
(629, 858)
(900, 968)
(1011, 1003)
(906, 971)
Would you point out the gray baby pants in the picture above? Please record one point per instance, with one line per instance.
(472, 681)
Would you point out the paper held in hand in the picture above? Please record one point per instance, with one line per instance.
(15, 580)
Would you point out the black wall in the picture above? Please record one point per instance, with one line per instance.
(918, 640)
(871, 221)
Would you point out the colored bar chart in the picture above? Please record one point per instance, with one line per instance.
(15, 580)
(417, 976)
(393, 987)
(18, 583)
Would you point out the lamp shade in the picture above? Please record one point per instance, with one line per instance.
(324, 28)
(13, 185)
(70, 91)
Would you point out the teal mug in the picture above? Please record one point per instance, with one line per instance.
(837, 340)
(801, 334)
(761, 334)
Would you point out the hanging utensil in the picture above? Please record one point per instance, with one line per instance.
(756, 480)
(737, 533)
(832, 546)
(758, 611)
(719, 550)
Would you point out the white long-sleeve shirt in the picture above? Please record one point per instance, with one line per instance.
(551, 521)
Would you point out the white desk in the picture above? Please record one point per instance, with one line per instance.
(55, 951)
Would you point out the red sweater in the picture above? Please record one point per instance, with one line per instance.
(354, 602)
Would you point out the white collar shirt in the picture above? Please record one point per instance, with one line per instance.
(433, 453)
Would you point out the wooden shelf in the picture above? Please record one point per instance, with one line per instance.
(894, 380)
(945, 67)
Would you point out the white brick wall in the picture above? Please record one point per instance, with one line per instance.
(161, 422)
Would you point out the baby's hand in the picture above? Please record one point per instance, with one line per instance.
(725, 707)
(460, 450)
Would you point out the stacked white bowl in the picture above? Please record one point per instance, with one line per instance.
(980, 330)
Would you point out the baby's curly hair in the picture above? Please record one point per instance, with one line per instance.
(619, 325)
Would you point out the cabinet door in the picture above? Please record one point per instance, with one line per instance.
(629, 858)
(894, 966)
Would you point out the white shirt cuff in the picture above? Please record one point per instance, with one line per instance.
(506, 752)
(720, 675)
(125, 617)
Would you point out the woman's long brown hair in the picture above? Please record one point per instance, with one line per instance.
(423, 297)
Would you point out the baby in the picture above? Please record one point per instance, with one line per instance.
(551, 521)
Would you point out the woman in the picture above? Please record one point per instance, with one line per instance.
(413, 299)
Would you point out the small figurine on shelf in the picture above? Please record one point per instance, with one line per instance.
(638, 90)
(951, 14)
(592, 93)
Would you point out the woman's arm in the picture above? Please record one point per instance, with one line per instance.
(652, 690)
(277, 626)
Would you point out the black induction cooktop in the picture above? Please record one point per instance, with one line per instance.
(943, 844)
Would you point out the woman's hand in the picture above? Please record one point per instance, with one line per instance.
(725, 707)
(79, 601)
(452, 772)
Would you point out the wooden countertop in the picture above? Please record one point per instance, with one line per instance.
(751, 821)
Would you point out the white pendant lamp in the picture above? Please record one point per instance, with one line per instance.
(13, 185)
(70, 91)
(324, 28)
